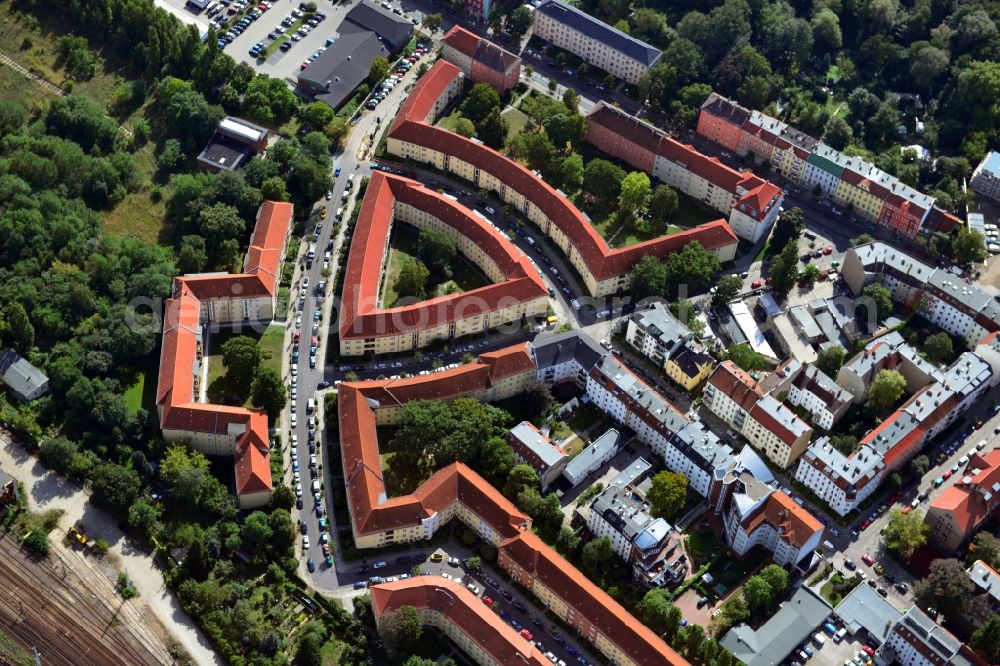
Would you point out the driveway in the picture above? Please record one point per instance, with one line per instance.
(46, 490)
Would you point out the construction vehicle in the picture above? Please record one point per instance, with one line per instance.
(79, 536)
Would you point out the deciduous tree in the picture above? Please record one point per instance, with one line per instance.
(745, 357)
(886, 389)
(480, 100)
(242, 357)
(946, 588)
(412, 279)
(667, 494)
(904, 533)
(830, 359)
(268, 392)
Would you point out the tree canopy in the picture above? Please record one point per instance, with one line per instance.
(667, 494)
(905, 532)
(886, 389)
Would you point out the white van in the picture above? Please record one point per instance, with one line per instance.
(839, 636)
(819, 639)
(315, 485)
(310, 406)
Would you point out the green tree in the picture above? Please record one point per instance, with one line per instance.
(19, 327)
(946, 588)
(905, 532)
(567, 542)
(401, 628)
(776, 577)
(809, 274)
(37, 542)
(480, 100)
(192, 256)
(830, 360)
(437, 249)
(985, 547)
(492, 130)
(57, 453)
(939, 348)
(845, 443)
(745, 357)
(686, 312)
(595, 556)
(634, 193)
(838, 133)
(880, 300)
(242, 357)
(785, 268)
(431, 22)
(663, 204)
(464, 127)
(694, 638)
(826, 31)
(757, 593)
(571, 99)
(268, 392)
(571, 172)
(114, 487)
(693, 266)
(145, 518)
(649, 278)
(735, 610)
(886, 390)
(656, 611)
(986, 639)
(726, 290)
(219, 223)
(969, 246)
(274, 189)
(519, 22)
(920, 465)
(379, 69)
(256, 531)
(667, 494)
(520, 478)
(316, 114)
(603, 179)
(412, 279)
(863, 239)
(13, 116)
(564, 128)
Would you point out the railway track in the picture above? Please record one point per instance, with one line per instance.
(47, 605)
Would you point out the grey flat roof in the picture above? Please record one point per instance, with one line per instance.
(864, 608)
(595, 451)
(659, 323)
(224, 152)
(365, 15)
(345, 65)
(596, 29)
(537, 443)
(771, 644)
(559, 348)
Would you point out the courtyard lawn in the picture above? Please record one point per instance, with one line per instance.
(516, 119)
(729, 571)
(702, 546)
(133, 394)
(448, 122)
(227, 390)
(691, 213)
(402, 248)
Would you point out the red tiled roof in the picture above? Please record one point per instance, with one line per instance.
(360, 316)
(371, 512)
(734, 382)
(479, 623)
(411, 126)
(175, 396)
(461, 40)
(760, 199)
(967, 501)
(793, 523)
(589, 601)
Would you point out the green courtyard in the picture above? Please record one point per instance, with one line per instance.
(403, 248)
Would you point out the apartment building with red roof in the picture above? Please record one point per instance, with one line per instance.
(604, 270)
(456, 491)
(964, 507)
(449, 607)
(222, 299)
(849, 181)
(481, 60)
(751, 204)
(756, 514)
(515, 294)
(731, 393)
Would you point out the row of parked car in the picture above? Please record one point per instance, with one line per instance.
(244, 23)
(404, 66)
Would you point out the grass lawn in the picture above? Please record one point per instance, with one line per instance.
(448, 122)
(29, 93)
(832, 595)
(691, 213)
(330, 654)
(133, 394)
(702, 545)
(516, 119)
(222, 388)
(584, 418)
(402, 248)
(730, 571)
(138, 215)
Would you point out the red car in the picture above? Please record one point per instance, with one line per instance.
(868, 650)
(304, 65)
(827, 250)
(297, 336)
(487, 601)
(527, 635)
(947, 475)
(865, 525)
(868, 559)
(756, 284)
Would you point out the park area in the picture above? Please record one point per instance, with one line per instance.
(403, 248)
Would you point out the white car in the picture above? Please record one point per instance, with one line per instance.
(312, 422)
(295, 404)
(575, 303)
(298, 489)
(295, 420)
(298, 321)
(305, 542)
